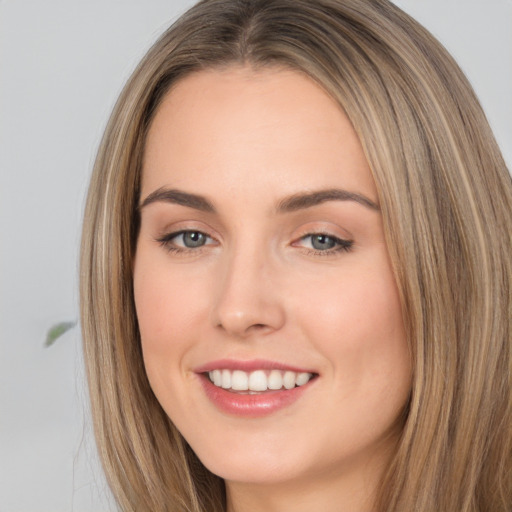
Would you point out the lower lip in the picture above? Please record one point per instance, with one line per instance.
(251, 406)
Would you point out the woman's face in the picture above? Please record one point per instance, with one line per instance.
(261, 264)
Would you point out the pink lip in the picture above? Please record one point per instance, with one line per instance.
(250, 405)
(249, 366)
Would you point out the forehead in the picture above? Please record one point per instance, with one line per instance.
(240, 125)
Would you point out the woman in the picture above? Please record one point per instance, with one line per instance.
(295, 270)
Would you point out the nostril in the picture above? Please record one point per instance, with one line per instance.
(243, 315)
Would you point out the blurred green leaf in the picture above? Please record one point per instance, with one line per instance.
(56, 331)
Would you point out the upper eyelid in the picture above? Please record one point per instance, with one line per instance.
(173, 234)
(305, 234)
(322, 233)
(322, 230)
(177, 228)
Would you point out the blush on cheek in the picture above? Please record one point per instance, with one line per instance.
(170, 308)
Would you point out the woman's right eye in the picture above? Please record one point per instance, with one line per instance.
(185, 240)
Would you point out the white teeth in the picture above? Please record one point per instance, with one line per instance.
(289, 380)
(226, 379)
(302, 378)
(217, 377)
(239, 381)
(258, 380)
(275, 380)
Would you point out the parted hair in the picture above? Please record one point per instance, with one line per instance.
(446, 201)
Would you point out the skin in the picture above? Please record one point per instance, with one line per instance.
(257, 289)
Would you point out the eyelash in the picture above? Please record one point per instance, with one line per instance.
(341, 245)
(167, 241)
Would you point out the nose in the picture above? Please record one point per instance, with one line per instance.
(249, 299)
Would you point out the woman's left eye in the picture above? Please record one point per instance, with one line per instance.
(321, 242)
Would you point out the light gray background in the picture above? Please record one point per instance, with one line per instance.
(62, 65)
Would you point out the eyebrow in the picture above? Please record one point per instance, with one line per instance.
(308, 200)
(175, 196)
(293, 203)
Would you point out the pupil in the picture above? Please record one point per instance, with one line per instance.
(322, 242)
(193, 239)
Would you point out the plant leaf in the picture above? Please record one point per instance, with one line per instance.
(56, 331)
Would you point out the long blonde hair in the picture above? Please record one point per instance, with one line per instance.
(446, 199)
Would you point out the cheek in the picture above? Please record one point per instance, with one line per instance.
(168, 306)
(355, 321)
(346, 308)
(166, 302)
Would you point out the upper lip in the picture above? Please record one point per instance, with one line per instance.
(249, 365)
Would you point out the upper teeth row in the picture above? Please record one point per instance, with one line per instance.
(258, 380)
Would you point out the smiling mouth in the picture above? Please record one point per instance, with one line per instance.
(258, 381)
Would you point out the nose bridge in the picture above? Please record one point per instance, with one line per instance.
(248, 299)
